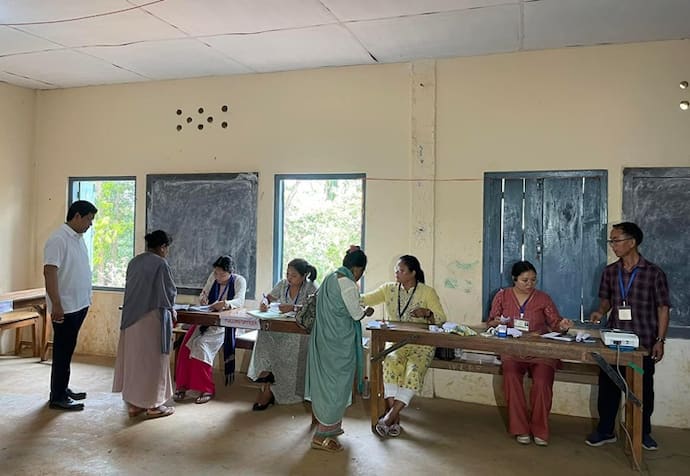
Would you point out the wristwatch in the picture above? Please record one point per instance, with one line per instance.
(661, 339)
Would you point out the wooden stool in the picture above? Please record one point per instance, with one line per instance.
(17, 320)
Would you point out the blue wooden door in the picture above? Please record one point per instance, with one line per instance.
(658, 200)
(555, 220)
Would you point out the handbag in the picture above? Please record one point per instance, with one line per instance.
(306, 315)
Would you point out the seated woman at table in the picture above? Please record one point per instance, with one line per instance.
(279, 358)
(526, 308)
(142, 366)
(223, 290)
(407, 299)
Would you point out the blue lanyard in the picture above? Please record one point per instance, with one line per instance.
(287, 294)
(523, 306)
(626, 289)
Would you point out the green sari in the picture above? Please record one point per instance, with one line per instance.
(335, 354)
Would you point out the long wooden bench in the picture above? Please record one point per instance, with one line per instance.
(574, 372)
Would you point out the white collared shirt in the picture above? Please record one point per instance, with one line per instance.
(66, 250)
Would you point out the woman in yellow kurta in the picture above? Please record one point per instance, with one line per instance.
(407, 299)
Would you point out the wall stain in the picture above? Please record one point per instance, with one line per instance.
(455, 269)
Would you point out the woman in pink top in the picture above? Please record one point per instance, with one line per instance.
(529, 310)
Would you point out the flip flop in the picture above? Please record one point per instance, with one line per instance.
(159, 412)
(394, 430)
(203, 398)
(327, 444)
(134, 412)
(381, 428)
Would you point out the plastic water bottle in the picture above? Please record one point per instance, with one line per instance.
(502, 331)
(366, 391)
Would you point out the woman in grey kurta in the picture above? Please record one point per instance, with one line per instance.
(279, 358)
(142, 367)
(335, 350)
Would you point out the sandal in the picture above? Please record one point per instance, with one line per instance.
(180, 395)
(394, 430)
(327, 444)
(381, 428)
(203, 398)
(134, 411)
(158, 412)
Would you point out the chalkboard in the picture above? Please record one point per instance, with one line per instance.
(208, 215)
(658, 200)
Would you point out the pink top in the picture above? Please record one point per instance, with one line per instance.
(540, 312)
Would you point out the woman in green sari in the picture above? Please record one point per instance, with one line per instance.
(335, 349)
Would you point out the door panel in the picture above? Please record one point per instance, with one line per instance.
(555, 220)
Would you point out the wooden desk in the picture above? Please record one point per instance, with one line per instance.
(36, 299)
(243, 321)
(528, 345)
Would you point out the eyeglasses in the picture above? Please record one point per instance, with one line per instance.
(613, 242)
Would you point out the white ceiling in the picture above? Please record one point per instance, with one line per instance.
(46, 44)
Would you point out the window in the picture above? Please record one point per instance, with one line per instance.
(316, 218)
(110, 241)
(557, 221)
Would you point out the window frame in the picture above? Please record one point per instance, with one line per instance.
(278, 215)
(105, 178)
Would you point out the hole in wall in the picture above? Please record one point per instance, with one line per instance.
(201, 110)
(224, 125)
(209, 119)
(224, 108)
(200, 127)
(683, 85)
(178, 112)
(179, 128)
(684, 105)
(189, 120)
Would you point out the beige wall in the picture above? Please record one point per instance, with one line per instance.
(602, 107)
(16, 183)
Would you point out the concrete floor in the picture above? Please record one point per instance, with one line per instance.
(226, 437)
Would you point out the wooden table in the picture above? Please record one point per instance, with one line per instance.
(242, 321)
(36, 299)
(528, 345)
(17, 320)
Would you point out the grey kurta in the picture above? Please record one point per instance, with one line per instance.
(284, 354)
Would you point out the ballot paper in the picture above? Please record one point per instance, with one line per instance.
(559, 336)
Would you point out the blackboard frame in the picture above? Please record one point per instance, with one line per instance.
(199, 211)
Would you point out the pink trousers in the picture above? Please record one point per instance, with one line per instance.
(537, 421)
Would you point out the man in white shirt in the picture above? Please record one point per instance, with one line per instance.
(67, 273)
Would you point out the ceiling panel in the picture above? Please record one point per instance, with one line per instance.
(214, 17)
(376, 9)
(558, 23)
(22, 11)
(170, 59)
(13, 41)
(24, 82)
(65, 68)
(293, 49)
(126, 27)
(469, 32)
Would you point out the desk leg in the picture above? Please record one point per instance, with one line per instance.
(45, 343)
(376, 345)
(633, 415)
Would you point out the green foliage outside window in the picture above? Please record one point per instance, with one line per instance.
(110, 241)
(321, 219)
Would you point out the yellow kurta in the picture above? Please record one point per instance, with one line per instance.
(407, 366)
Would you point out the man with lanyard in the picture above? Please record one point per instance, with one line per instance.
(67, 273)
(636, 292)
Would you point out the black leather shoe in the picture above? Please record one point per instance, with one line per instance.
(66, 404)
(75, 395)
(259, 408)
